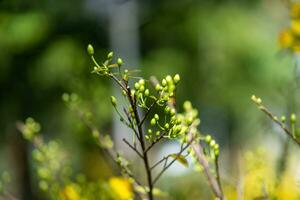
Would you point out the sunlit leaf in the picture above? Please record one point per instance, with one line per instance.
(181, 159)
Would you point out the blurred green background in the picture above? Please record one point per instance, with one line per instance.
(224, 50)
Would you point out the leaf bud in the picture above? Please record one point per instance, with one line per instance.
(120, 62)
(147, 92)
(110, 55)
(176, 78)
(153, 121)
(90, 50)
(293, 118)
(113, 100)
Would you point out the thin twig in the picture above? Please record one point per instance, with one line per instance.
(169, 165)
(133, 148)
(154, 142)
(204, 163)
(147, 113)
(158, 162)
(218, 174)
(279, 123)
(132, 124)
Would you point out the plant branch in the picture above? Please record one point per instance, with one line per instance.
(216, 188)
(142, 142)
(218, 177)
(169, 165)
(133, 148)
(147, 113)
(279, 123)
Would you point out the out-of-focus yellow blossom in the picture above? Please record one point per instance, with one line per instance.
(287, 188)
(258, 176)
(286, 39)
(295, 26)
(296, 48)
(289, 38)
(69, 192)
(122, 187)
(295, 10)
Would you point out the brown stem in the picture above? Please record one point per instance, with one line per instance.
(211, 179)
(133, 148)
(169, 165)
(282, 125)
(142, 143)
(218, 174)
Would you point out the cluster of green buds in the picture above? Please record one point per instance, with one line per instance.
(49, 158)
(256, 100)
(174, 125)
(213, 147)
(167, 89)
(289, 126)
(5, 178)
(51, 165)
(106, 67)
(72, 100)
(30, 129)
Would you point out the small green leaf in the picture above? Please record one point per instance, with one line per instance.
(181, 159)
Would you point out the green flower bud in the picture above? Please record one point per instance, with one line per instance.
(120, 62)
(153, 121)
(167, 110)
(110, 55)
(167, 126)
(157, 133)
(189, 121)
(113, 100)
(293, 118)
(172, 111)
(157, 87)
(149, 131)
(142, 82)
(217, 152)
(142, 88)
(187, 105)
(137, 86)
(164, 82)
(90, 50)
(212, 143)
(147, 92)
(176, 78)
(132, 92)
(156, 117)
(216, 146)
(147, 137)
(208, 138)
(66, 97)
(178, 121)
(169, 79)
(283, 119)
(173, 119)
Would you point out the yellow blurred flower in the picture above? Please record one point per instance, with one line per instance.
(286, 39)
(69, 192)
(295, 10)
(296, 48)
(121, 187)
(295, 26)
(287, 188)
